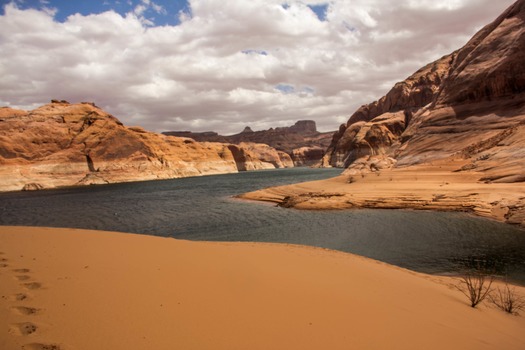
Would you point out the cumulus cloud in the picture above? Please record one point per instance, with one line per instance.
(229, 64)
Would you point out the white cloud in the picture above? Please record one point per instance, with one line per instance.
(158, 8)
(139, 10)
(146, 5)
(231, 63)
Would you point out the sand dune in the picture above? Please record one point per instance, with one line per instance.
(78, 289)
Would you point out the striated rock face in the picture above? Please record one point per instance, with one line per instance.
(378, 137)
(268, 156)
(479, 114)
(302, 134)
(468, 107)
(307, 156)
(62, 144)
(254, 156)
(490, 66)
(399, 104)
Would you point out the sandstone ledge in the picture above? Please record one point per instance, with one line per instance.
(429, 187)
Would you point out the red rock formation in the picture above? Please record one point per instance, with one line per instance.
(404, 99)
(285, 139)
(479, 114)
(62, 144)
(307, 156)
(491, 65)
(468, 105)
(268, 156)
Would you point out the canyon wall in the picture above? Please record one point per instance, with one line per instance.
(62, 144)
(467, 107)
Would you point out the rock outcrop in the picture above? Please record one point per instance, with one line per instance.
(307, 156)
(62, 144)
(268, 156)
(375, 128)
(254, 156)
(301, 141)
(468, 107)
(451, 137)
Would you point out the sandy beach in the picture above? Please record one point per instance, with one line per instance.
(424, 187)
(79, 289)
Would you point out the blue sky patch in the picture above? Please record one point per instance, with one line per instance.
(285, 88)
(158, 12)
(291, 89)
(257, 52)
(320, 11)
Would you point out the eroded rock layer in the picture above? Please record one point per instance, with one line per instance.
(469, 105)
(301, 141)
(62, 144)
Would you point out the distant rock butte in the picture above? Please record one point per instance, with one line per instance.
(62, 144)
(301, 141)
(468, 107)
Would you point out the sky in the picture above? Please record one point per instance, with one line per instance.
(221, 65)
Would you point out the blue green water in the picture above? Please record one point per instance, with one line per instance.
(202, 208)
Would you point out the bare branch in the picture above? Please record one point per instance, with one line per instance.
(476, 286)
(507, 299)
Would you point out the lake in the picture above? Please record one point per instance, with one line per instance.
(202, 208)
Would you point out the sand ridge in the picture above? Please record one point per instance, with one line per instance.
(104, 290)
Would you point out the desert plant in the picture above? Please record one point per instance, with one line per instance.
(476, 286)
(507, 299)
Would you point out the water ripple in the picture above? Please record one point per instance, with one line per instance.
(202, 209)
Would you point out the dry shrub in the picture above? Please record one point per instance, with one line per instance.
(507, 299)
(476, 286)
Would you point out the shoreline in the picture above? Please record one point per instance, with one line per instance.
(426, 187)
(81, 289)
(138, 181)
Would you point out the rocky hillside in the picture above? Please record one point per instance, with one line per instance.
(62, 144)
(467, 107)
(301, 141)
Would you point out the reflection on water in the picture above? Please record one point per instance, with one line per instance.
(201, 208)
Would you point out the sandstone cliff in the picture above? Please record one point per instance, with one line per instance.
(268, 156)
(307, 156)
(467, 107)
(301, 141)
(450, 137)
(62, 144)
(375, 128)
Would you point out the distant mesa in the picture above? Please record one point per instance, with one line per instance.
(301, 141)
(304, 127)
